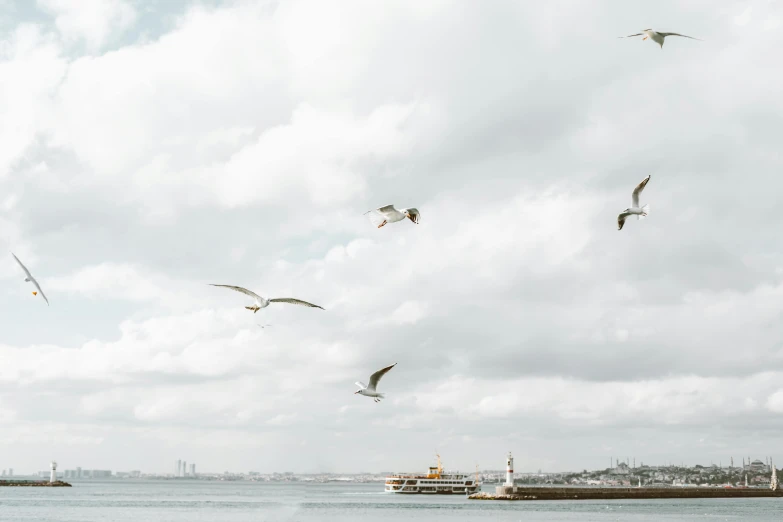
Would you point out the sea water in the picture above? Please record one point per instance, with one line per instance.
(215, 501)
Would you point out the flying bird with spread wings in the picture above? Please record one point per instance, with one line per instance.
(260, 302)
(29, 278)
(634, 209)
(388, 214)
(657, 37)
(370, 391)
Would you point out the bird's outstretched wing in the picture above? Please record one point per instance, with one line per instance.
(360, 385)
(678, 34)
(291, 300)
(376, 377)
(621, 219)
(241, 290)
(26, 271)
(414, 215)
(630, 35)
(39, 289)
(379, 215)
(638, 190)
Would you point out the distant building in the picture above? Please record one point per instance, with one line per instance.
(757, 465)
(192, 470)
(184, 468)
(10, 472)
(621, 469)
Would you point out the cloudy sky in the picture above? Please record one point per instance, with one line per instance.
(148, 151)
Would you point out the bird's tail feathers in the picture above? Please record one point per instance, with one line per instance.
(645, 212)
(381, 395)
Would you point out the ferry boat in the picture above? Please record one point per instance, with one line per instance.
(436, 482)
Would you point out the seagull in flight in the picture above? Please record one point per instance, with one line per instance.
(264, 325)
(388, 214)
(640, 212)
(657, 37)
(29, 278)
(369, 391)
(260, 302)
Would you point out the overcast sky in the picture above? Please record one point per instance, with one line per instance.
(148, 151)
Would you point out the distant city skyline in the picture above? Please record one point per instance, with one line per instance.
(81, 472)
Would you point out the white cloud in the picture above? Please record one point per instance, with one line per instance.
(112, 281)
(31, 68)
(745, 17)
(94, 21)
(775, 402)
(409, 312)
(676, 400)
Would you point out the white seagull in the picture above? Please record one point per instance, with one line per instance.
(260, 302)
(389, 214)
(29, 278)
(657, 37)
(369, 391)
(640, 212)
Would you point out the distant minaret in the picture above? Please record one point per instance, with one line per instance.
(509, 470)
(634, 463)
(53, 475)
(746, 480)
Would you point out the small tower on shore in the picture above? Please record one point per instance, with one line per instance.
(53, 475)
(509, 471)
(773, 481)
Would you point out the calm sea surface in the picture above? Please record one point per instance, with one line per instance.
(202, 501)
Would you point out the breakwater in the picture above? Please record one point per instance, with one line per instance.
(610, 493)
(34, 484)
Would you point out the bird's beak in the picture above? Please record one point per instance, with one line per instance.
(35, 293)
(357, 391)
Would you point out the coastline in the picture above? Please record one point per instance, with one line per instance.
(620, 493)
(34, 484)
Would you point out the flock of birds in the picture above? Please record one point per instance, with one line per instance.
(378, 217)
(389, 214)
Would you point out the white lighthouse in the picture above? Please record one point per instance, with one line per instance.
(53, 476)
(509, 471)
